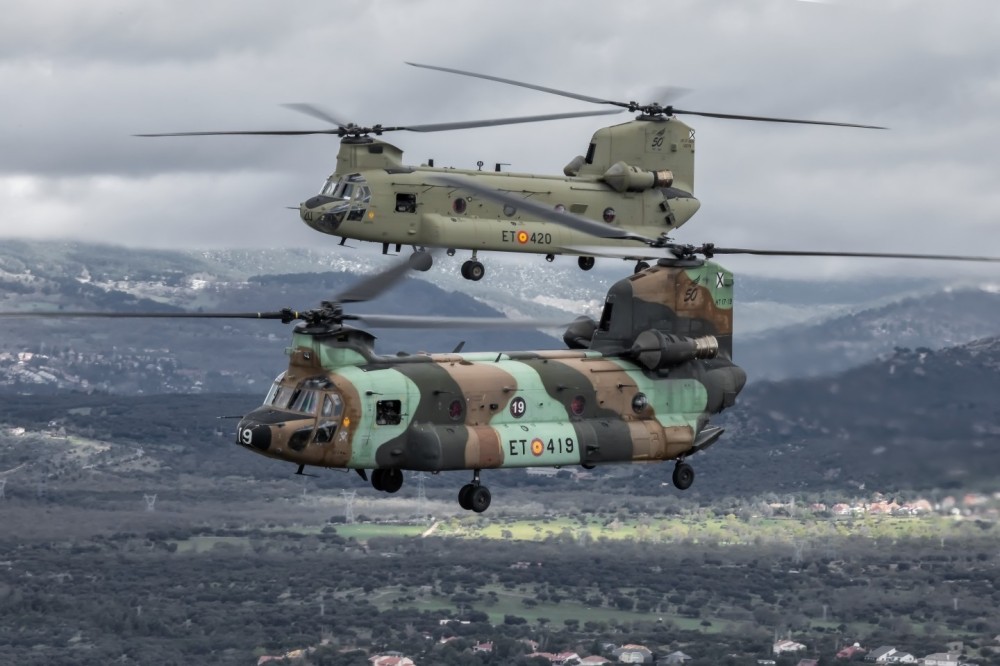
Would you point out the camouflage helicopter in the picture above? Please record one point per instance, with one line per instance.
(637, 176)
(640, 384)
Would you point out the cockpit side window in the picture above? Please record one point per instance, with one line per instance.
(332, 405)
(269, 400)
(330, 413)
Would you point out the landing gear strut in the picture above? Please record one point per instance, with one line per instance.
(473, 496)
(683, 475)
(472, 269)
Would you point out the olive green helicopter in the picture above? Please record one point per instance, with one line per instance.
(637, 176)
(640, 384)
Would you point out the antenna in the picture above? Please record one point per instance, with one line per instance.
(421, 496)
(349, 496)
(150, 502)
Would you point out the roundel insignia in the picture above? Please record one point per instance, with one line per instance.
(518, 407)
(522, 237)
(537, 447)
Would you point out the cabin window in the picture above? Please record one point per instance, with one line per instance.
(406, 203)
(388, 412)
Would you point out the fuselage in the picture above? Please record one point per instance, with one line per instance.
(476, 411)
(636, 176)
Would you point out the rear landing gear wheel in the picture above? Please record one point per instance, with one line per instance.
(465, 496)
(473, 270)
(479, 499)
(683, 476)
(585, 263)
(641, 266)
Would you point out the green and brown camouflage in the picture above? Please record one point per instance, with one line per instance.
(639, 385)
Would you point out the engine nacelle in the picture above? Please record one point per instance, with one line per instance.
(579, 333)
(655, 350)
(623, 177)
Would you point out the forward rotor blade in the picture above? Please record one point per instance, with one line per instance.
(767, 119)
(522, 84)
(406, 321)
(375, 285)
(66, 314)
(565, 218)
(246, 132)
(315, 112)
(441, 127)
(711, 250)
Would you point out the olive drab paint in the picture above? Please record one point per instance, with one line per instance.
(642, 388)
(637, 175)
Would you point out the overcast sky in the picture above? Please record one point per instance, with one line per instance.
(78, 78)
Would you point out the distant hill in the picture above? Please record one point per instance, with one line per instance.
(934, 320)
(157, 356)
(919, 419)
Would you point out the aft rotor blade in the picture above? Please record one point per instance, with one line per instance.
(406, 321)
(565, 218)
(655, 108)
(710, 250)
(522, 84)
(441, 127)
(283, 315)
(766, 119)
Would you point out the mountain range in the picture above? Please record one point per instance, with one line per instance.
(784, 328)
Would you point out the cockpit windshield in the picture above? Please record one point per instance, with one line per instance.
(354, 194)
(304, 398)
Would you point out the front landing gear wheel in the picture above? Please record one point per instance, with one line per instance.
(392, 480)
(640, 266)
(421, 260)
(473, 270)
(465, 496)
(479, 499)
(683, 476)
(378, 479)
(585, 263)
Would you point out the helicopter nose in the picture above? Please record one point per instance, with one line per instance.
(316, 201)
(253, 434)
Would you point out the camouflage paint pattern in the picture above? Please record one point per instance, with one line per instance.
(520, 409)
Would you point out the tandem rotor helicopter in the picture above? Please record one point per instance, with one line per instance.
(637, 176)
(640, 384)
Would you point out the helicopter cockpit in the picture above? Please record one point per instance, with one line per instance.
(344, 198)
(311, 398)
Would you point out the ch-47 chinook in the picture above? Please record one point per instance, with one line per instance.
(637, 176)
(640, 384)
